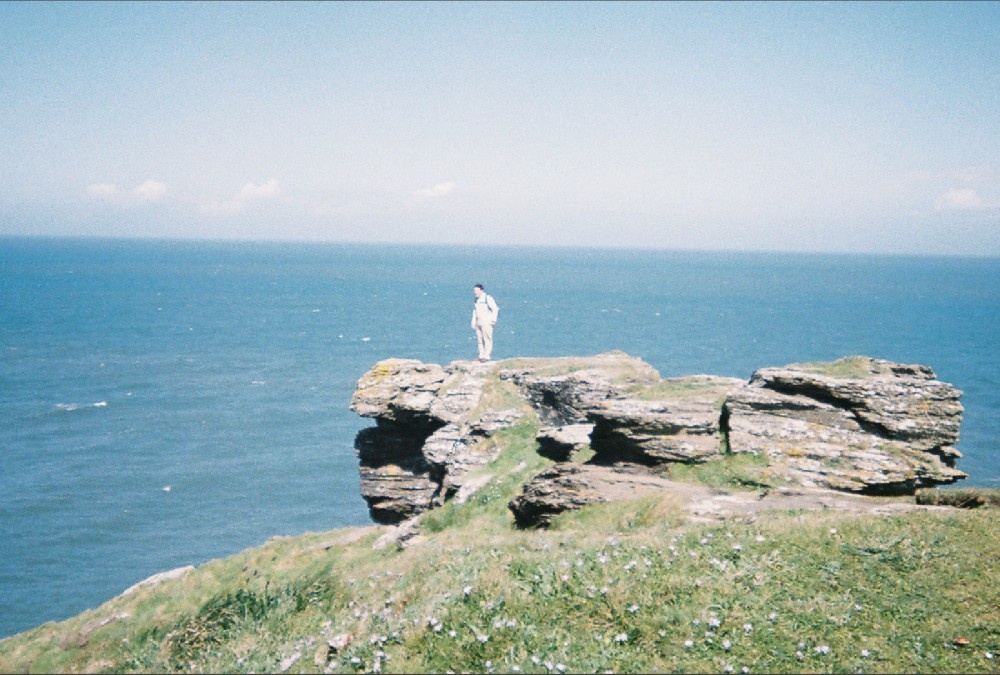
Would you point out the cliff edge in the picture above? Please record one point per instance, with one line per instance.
(856, 426)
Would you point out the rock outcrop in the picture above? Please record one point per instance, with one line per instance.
(430, 422)
(679, 420)
(568, 486)
(857, 425)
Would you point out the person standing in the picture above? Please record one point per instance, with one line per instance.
(484, 317)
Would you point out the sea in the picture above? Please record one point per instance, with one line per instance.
(165, 403)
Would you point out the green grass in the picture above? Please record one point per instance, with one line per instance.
(742, 470)
(855, 367)
(628, 587)
(683, 388)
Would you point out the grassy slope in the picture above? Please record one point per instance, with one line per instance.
(626, 587)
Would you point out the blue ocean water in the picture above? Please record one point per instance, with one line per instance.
(165, 403)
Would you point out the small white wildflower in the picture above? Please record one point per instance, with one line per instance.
(467, 590)
(621, 637)
(561, 667)
(823, 649)
(511, 623)
(748, 628)
(604, 590)
(745, 670)
(989, 655)
(737, 547)
(704, 540)
(535, 660)
(452, 633)
(697, 622)
(714, 622)
(633, 608)
(799, 655)
(483, 638)
(729, 668)
(355, 660)
(662, 633)
(865, 653)
(833, 530)
(688, 644)
(727, 644)
(772, 617)
(759, 538)
(857, 608)
(698, 582)
(515, 669)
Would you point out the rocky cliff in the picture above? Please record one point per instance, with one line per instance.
(615, 427)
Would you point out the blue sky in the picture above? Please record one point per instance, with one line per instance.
(846, 127)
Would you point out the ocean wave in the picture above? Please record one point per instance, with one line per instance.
(70, 407)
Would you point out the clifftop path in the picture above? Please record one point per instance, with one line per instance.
(614, 426)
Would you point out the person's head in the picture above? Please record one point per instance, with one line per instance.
(478, 290)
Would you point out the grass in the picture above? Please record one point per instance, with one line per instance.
(684, 389)
(742, 470)
(624, 370)
(855, 367)
(967, 498)
(627, 587)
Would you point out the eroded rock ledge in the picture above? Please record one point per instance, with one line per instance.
(856, 425)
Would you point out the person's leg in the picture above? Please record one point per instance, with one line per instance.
(481, 342)
(487, 349)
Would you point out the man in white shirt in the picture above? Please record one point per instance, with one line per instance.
(484, 317)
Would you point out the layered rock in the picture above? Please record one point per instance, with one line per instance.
(563, 391)
(563, 442)
(569, 486)
(859, 425)
(427, 433)
(682, 424)
(433, 422)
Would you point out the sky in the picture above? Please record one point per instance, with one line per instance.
(829, 127)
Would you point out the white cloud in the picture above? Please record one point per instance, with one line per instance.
(959, 198)
(102, 190)
(250, 192)
(439, 190)
(150, 190)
